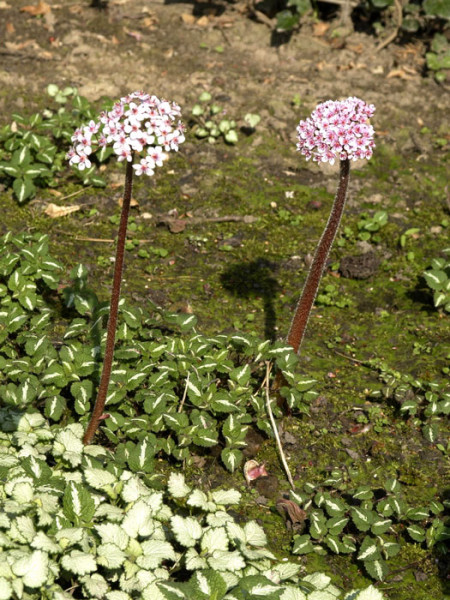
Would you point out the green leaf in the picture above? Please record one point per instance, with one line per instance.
(141, 457)
(23, 188)
(431, 432)
(418, 514)
(335, 507)
(231, 458)
(231, 137)
(368, 550)
(380, 525)
(336, 525)
(54, 375)
(362, 518)
(377, 569)
(78, 504)
(21, 157)
(241, 375)
(333, 543)
(10, 169)
(417, 533)
(435, 279)
(286, 20)
(437, 8)
(54, 407)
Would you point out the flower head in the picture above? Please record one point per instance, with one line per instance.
(137, 124)
(337, 129)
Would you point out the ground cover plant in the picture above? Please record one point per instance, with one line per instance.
(217, 250)
(174, 394)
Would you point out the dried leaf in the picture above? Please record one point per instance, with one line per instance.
(400, 73)
(54, 211)
(203, 21)
(133, 202)
(41, 8)
(291, 513)
(320, 29)
(254, 470)
(10, 28)
(188, 19)
(176, 225)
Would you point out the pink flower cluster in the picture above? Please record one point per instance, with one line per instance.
(137, 124)
(337, 129)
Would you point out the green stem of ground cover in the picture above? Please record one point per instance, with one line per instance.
(304, 306)
(113, 310)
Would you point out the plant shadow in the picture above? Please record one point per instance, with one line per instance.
(254, 279)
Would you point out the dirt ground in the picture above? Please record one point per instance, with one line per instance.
(178, 50)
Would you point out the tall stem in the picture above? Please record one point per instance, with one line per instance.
(113, 310)
(304, 306)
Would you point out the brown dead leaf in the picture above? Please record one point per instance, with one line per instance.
(149, 21)
(55, 193)
(12, 47)
(41, 8)
(10, 28)
(400, 73)
(177, 225)
(356, 48)
(54, 211)
(188, 19)
(320, 29)
(4, 4)
(133, 203)
(291, 512)
(203, 21)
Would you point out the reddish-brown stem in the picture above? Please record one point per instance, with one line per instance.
(113, 310)
(304, 306)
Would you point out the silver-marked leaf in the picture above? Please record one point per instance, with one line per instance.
(33, 569)
(213, 539)
(226, 497)
(187, 530)
(24, 188)
(79, 562)
(177, 485)
(302, 544)
(376, 568)
(368, 550)
(78, 504)
(231, 458)
(110, 556)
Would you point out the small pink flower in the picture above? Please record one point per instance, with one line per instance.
(337, 129)
(138, 123)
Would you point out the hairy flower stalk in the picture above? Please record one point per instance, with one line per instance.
(138, 125)
(336, 129)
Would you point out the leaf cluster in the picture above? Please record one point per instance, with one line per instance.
(437, 278)
(33, 149)
(364, 521)
(173, 391)
(212, 123)
(73, 523)
(426, 402)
